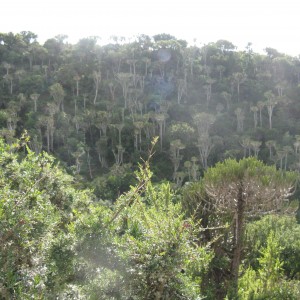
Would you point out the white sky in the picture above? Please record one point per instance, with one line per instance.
(265, 23)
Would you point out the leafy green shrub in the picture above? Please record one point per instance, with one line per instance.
(268, 281)
(286, 230)
(36, 203)
(146, 247)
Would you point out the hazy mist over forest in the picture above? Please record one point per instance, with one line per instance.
(149, 150)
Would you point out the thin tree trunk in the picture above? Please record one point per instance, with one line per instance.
(239, 230)
(48, 139)
(89, 164)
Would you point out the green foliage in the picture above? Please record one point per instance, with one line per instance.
(264, 188)
(238, 191)
(268, 281)
(181, 131)
(286, 231)
(270, 265)
(116, 182)
(146, 247)
(136, 82)
(231, 170)
(215, 80)
(36, 202)
(163, 249)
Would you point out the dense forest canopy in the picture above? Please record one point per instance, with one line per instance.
(95, 107)
(120, 222)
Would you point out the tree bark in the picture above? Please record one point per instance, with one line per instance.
(238, 236)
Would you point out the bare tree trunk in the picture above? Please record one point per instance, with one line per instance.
(48, 139)
(161, 135)
(52, 139)
(89, 164)
(11, 86)
(238, 236)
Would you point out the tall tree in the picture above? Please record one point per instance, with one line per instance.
(254, 109)
(238, 79)
(101, 148)
(138, 125)
(160, 119)
(227, 97)
(204, 145)
(271, 144)
(97, 81)
(246, 145)
(119, 128)
(270, 104)
(176, 157)
(203, 122)
(102, 122)
(77, 78)
(57, 92)
(245, 188)
(255, 146)
(208, 91)
(125, 80)
(35, 97)
(181, 89)
(240, 116)
(260, 105)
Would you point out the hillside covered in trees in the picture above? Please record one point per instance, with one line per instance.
(148, 169)
(96, 108)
